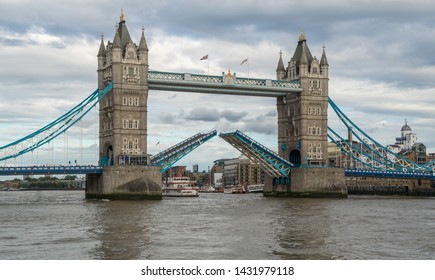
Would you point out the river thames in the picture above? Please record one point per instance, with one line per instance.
(58, 225)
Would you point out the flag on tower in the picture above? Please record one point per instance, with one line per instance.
(243, 61)
(204, 57)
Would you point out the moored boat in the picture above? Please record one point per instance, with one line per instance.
(255, 188)
(238, 189)
(180, 187)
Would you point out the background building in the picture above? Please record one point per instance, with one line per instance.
(406, 146)
(195, 168)
(240, 170)
(229, 176)
(406, 141)
(249, 173)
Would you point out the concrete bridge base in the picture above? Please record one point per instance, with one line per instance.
(132, 182)
(308, 182)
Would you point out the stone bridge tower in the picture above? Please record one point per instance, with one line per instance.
(303, 128)
(123, 112)
(302, 117)
(123, 122)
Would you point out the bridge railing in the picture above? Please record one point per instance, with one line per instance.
(389, 173)
(49, 169)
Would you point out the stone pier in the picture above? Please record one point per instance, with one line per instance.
(309, 182)
(125, 182)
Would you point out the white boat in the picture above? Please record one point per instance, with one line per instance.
(180, 187)
(235, 189)
(255, 188)
(238, 189)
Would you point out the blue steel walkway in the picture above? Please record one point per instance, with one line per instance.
(409, 174)
(50, 169)
(228, 83)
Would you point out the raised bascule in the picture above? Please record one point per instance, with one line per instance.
(300, 168)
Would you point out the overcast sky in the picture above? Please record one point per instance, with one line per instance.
(380, 53)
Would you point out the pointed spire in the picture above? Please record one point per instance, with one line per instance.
(280, 66)
(117, 40)
(102, 51)
(323, 60)
(304, 59)
(124, 35)
(143, 44)
(302, 51)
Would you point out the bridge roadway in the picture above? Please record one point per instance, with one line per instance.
(389, 174)
(92, 169)
(228, 83)
(49, 169)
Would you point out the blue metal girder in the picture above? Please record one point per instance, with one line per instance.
(50, 169)
(170, 156)
(272, 163)
(351, 150)
(389, 174)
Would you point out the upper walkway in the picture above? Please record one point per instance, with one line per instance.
(228, 83)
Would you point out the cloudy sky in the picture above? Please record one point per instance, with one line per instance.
(382, 66)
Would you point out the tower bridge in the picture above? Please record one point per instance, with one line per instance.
(299, 168)
(301, 91)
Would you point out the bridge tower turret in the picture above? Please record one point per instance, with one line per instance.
(302, 117)
(280, 70)
(303, 128)
(123, 111)
(123, 118)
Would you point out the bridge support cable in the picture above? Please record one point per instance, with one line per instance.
(52, 130)
(372, 149)
(272, 163)
(170, 156)
(355, 152)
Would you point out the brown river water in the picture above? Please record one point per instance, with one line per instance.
(58, 225)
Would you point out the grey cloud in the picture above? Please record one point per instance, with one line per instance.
(213, 115)
(203, 114)
(169, 118)
(233, 116)
(271, 114)
(263, 124)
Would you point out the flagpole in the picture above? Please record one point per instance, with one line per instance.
(205, 57)
(247, 61)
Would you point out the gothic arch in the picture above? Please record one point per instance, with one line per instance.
(107, 156)
(295, 157)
